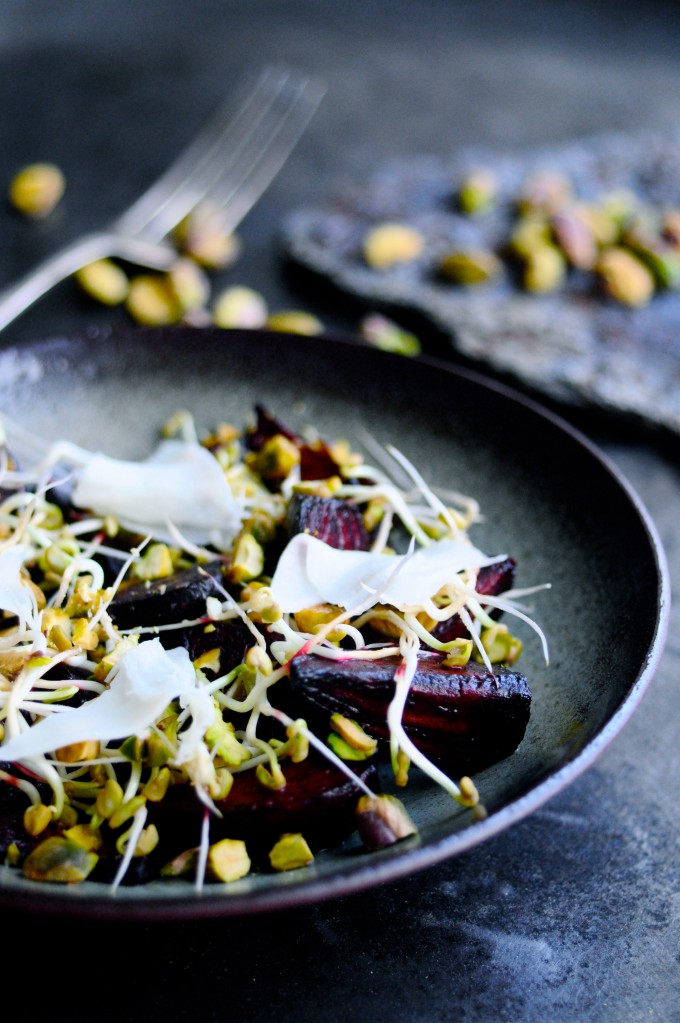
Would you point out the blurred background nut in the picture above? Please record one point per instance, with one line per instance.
(470, 266)
(390, 243)
(104, 281)
(189, 284)
(575, 238)
(624, 278)
(239, 306)
(203, 236)
(36, 189)
(384, 333)
(546, 192)
(478, 192)
(152, 302)
(544, 270)
(295, 321)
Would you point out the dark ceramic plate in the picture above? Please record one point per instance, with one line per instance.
(548, 497)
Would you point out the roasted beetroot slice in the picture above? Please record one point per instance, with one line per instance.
(463, 719)
(318, 800)
(316, 462)
(231, 638)
(336, 522)
(492, 580)
(267, 426)
(175, 598)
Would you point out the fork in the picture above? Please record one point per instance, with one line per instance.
(228, 165)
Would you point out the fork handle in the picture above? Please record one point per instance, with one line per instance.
(15, 299)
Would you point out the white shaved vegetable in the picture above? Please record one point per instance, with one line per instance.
(143, 682)
(309, 572)
(181, 484)
(16, 595)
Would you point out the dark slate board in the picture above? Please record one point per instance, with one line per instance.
(576, 346)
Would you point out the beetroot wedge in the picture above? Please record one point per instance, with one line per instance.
(318, 800)
(462, 718)
(176, 598)
(336, 522)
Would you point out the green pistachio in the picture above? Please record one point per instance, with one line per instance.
(470, 267)
(36, 189)
(545, 192)
(294, 321)
(104, 281)
(478, 192)
(353, 734)
(624, 277)
(544, 269)
(239, 306)
(37, 818)
(383, 333)
(290, 853)
(247, 561)
(382, 820)
(60, 860)
(387, 244)
(574, 236)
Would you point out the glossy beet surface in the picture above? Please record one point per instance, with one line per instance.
(318, 800)
(534, 477)
(463, 719)
(178, 598)
(336, 522)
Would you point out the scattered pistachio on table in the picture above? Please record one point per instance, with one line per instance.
(104, 281)
(389, 243)
(239, 306)
(478, 191)
(382, 332)
(470, 266)
(624, 277)
(294, 321)
(36, 189)
(206, 239)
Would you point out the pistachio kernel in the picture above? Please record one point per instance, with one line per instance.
(294, 321)
(228, 860)
(189, 285)
(36, 189)
(60, 860)
(77, 751)
(388, 336)
(88, 837)
(477, 193)
(247, 562)
(152, 302)
(239, 306)
(544, 269)
(290, 853)
(353, 734)
(104, 281)
(390, 243)
(470, 267)
(37, 818)
(382, 820)
(624, 277)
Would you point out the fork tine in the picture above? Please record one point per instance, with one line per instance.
(225, 143)
(235, 193)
